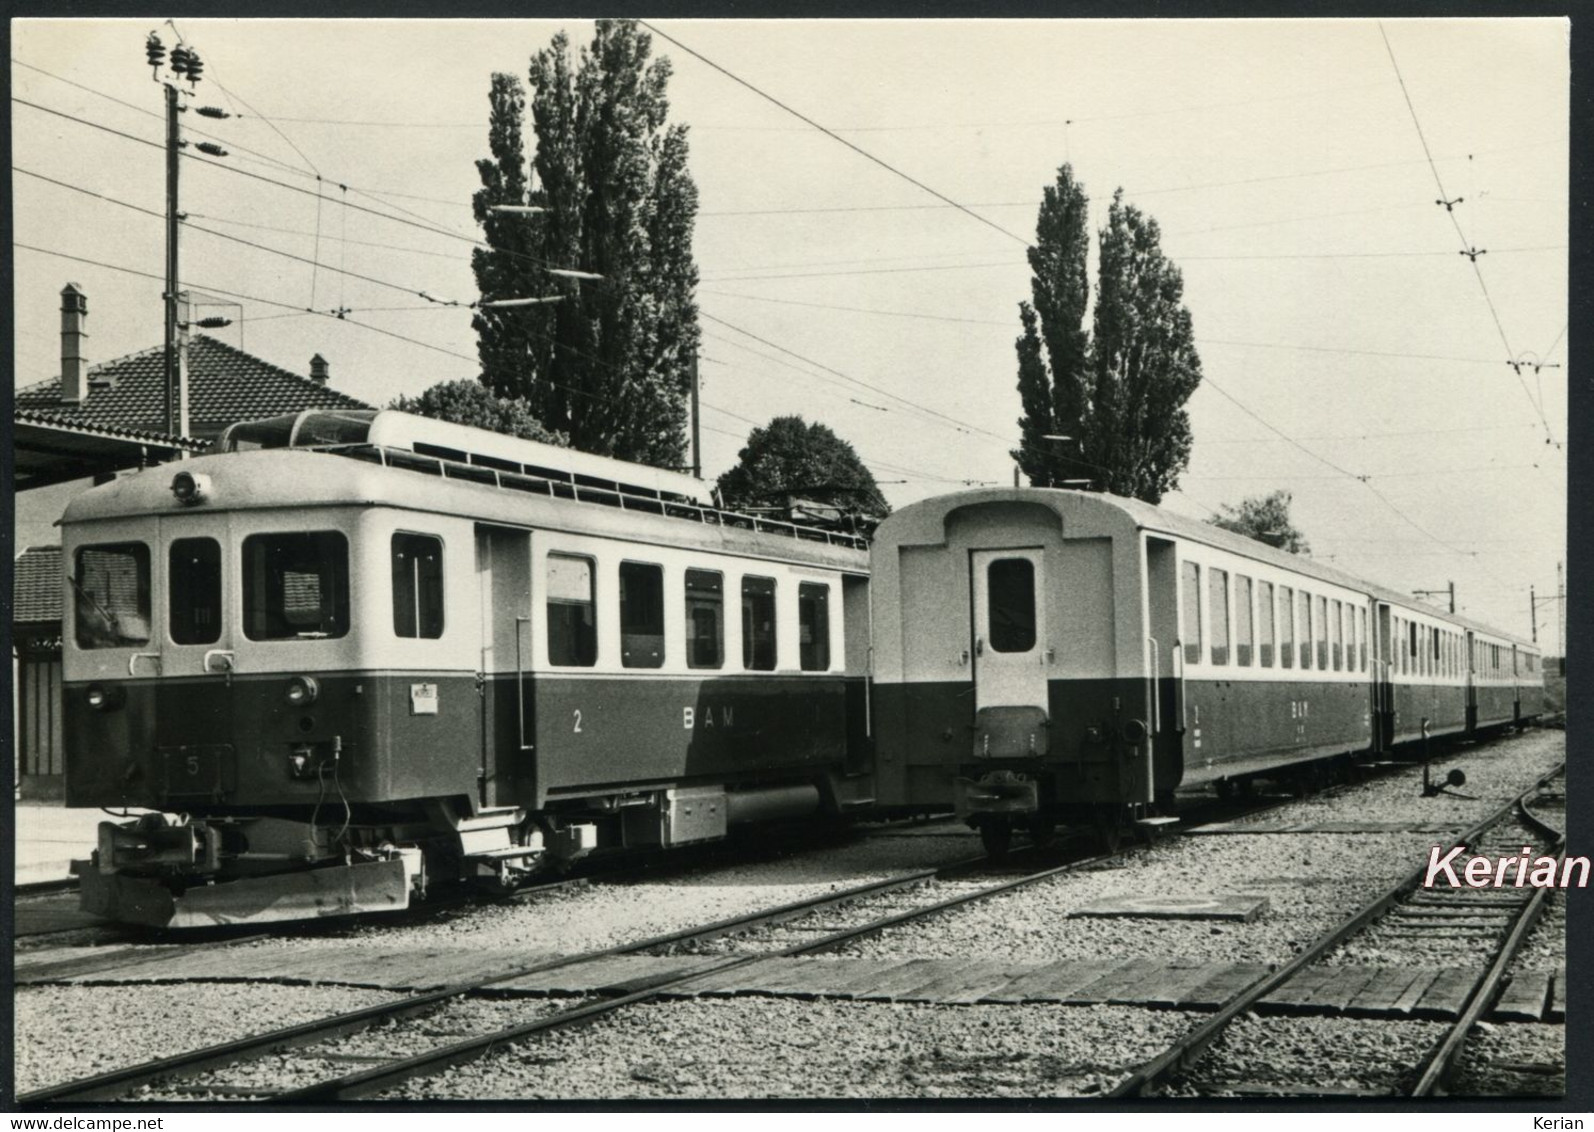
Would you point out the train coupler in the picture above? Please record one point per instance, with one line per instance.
(999, 792)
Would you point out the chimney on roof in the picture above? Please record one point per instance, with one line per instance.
(318, 370)
(74, 367)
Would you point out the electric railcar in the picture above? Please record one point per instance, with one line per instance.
(351, 651)
(1045, 656)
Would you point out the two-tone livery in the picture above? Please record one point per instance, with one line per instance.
(352, 649)
(1047, 656)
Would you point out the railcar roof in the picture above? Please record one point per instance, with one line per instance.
(297, 479)
(1147, 517)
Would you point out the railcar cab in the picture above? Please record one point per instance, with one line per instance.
(316, 671)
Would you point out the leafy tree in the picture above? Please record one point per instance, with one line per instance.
(1118, 392)
(1265, 518)
(789, 459)
(609, 364)
(471, 403)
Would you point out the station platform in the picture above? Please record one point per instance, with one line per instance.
(49, 836)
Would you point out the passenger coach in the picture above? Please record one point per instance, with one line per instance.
(1047, 656)
(352, 648)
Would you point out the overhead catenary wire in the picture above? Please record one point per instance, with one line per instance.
(989, 223)
(1466, 245)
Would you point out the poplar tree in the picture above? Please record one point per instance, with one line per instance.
(609, 365)
(1117, 391)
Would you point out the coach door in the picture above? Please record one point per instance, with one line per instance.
(1010, 653)
(1383, 680)
(192, 652)
(503, 569)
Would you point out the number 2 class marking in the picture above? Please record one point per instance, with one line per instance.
(578, 721)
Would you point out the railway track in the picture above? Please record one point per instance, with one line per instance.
(174, 1075)
(863, 902)
(1512, 922)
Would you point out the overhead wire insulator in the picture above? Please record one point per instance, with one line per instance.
(180, 60)
(214, 322)
(211, 148)
(212, 112)
(155, 51)
(196, 68)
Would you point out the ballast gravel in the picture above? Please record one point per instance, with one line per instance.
(456, 1021)
(758, 1047)
(1518, 1060)
(1303, 1054)
(66, 1032)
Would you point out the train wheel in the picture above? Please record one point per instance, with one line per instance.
(1043, 829)
(1109, 830)
(997, 837)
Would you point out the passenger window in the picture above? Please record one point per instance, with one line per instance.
(1413, 656)
(1361, 637)
(296, 586)
(705, 619)
(641, 615)
(1218, 585)
(572, 612)
(1303, 617)
(417, 586)
(1010, 601)
(1192, 613)
(1322, 634)
(1265, 622)
(1242, 620)
(193, 588)
(813, 626)
(758, 624)
(111, 584)
(1286, 627)
(1336, 644)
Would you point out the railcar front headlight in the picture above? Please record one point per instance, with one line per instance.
(101, 698)
(301, 691)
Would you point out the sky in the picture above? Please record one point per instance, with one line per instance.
(1352, 353)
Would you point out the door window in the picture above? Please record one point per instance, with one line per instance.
(193, 585)
(417, 585)
(1010, 602)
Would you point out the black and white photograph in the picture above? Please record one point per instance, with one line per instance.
(793, 563)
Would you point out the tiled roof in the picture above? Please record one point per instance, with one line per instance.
(36, 585)
(68, 420)
(225, 385)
